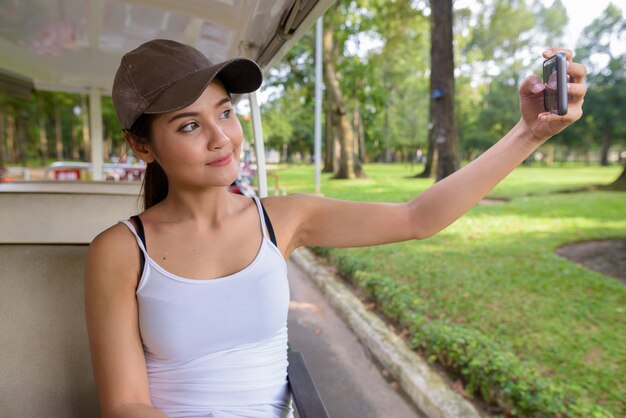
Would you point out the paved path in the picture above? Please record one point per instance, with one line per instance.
(350, 384)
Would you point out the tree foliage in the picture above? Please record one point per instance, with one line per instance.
(604, 123)
(382, 63)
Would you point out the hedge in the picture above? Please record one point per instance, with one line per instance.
(488, 370)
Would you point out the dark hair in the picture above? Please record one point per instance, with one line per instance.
(155, 185)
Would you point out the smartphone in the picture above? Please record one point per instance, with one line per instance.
(555, 79)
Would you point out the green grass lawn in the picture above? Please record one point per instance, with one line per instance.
(495, 270)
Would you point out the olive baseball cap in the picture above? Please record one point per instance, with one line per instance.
(163, 76)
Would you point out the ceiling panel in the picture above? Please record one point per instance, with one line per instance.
(73, 45)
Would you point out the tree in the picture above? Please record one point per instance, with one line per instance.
(383, 86)
(349, 167)
(443, 138)
(84, 117)
(604, 102)
(397, 82)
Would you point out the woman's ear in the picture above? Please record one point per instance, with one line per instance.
(141, 148)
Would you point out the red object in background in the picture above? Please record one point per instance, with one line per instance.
(4, 176)
(67, 174)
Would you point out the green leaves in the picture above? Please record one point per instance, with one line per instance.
(488, 369)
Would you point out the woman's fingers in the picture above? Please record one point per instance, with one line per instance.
(576, 72)
(553, 51)
(576, 91)
(573, 114)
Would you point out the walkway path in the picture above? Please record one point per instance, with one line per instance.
(349, 382)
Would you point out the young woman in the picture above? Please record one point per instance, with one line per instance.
(187, 302)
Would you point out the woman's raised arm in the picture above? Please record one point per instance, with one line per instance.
(336, 223)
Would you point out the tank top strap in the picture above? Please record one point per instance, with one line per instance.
(266, 224)
(134, 231)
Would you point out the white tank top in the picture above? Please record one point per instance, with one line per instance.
(217, 347)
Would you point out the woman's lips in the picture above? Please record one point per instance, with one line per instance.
(224, 161)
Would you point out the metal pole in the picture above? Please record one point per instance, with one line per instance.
(319, 25)
(259, 146)
(95, 119)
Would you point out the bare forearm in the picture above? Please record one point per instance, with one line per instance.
(450, 198)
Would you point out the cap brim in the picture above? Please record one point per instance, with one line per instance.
(239, 75)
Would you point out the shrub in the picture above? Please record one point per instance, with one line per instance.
(488, 370)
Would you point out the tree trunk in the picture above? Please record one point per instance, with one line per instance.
(285, 154)
(361, 135)
(11, 136)
(341, 122)
(387, 135)
(620, 182)
(355, 129)
(430, 148)
(74, 138)
(43, 134)
(84, 115)
(443, 138)
(358, 164)
(329, 141)
(20, 131)
(605, 146)
(58, 133)
(336, 146)
(358, 128)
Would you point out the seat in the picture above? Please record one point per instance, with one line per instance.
(46, 368)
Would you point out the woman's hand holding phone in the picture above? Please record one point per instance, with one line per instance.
(546, 116)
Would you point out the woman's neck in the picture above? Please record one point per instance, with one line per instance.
(207, 207)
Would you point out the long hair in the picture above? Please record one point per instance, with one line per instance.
(155, 185)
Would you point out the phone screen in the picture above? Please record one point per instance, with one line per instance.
(549, 79)
(555, 79)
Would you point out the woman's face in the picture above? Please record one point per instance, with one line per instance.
(199, 145)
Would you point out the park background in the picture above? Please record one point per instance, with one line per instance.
(517, 327)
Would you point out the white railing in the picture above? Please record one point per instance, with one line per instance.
(112, 171)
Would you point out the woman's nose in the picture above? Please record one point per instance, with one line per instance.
(217, 137)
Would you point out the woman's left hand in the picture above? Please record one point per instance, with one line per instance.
(541, 124)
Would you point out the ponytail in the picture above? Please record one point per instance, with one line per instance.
(155, 185)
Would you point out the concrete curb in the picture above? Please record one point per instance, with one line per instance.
(430, 393)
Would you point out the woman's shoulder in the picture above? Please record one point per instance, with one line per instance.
(292, 205)
(116, 237)
(288, 202)
(114, 250)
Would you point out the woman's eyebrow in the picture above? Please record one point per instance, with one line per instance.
(182, 115)
(186, 114)
(221, 102)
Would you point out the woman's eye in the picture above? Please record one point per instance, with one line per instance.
(226, 113)
(189, 127)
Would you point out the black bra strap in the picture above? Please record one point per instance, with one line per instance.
(142, 237)
(268, 224)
